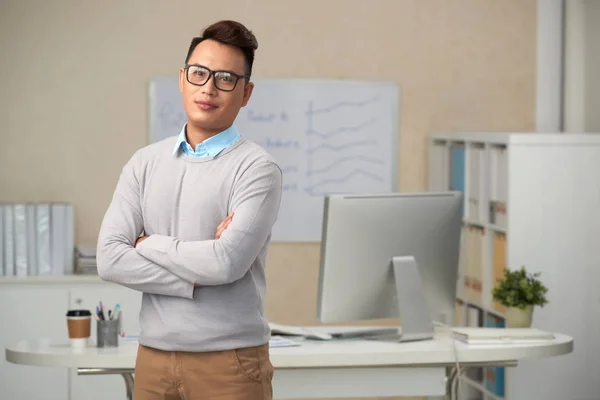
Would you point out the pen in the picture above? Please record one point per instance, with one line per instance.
(116, 312)
(101, 312)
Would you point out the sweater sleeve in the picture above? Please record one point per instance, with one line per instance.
(255, 204)
(117, 259)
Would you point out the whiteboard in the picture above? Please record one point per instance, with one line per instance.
(328, 136)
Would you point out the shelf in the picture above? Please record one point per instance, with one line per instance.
(531, 199)
(480, 224)
(518, 138)
(45, 280)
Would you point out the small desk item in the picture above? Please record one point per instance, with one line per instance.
(290, 330)
(347, 368)
(280, 341)
(501, 335)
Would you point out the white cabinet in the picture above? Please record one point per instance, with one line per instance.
(34, 308)
(32, 312)
(531, 199)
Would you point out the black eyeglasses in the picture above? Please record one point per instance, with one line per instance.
(224, 80)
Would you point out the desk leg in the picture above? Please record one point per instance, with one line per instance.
(129, 382)
(127, 375)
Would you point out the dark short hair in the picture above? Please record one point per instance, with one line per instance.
(231, 33)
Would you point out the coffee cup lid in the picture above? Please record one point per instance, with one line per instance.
(79, 313)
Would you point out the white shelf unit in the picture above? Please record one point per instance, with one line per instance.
(531, 199)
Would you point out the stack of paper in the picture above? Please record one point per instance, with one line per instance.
(279, 341)
(85, 259)
(500, 335)
(288, 330)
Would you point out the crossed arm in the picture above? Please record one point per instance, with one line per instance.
(165, 265)
(255, 203)
(117, 259)
(220, 229)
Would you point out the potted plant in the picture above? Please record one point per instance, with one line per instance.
(520, 291)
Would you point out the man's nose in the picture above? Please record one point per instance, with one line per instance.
(209, 87)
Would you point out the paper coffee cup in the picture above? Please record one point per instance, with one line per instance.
(79, 324)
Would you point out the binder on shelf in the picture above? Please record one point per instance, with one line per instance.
(439, 169)
(20, 239)
(460, 313)
(57, 242)
(499, 185)
(457, 169)
(483, 184)
(499, 259)
(474, 182)
(9, 240)
(32, 257)
(474, 320)
(494, 376)
(42, 228)
(473, 261)
(69, 246)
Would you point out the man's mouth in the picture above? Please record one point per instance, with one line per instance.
(206, 105)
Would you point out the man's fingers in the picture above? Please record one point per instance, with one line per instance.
(223, 225)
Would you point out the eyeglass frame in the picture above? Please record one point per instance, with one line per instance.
(211, 74)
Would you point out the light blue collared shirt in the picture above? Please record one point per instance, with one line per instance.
(209, 147)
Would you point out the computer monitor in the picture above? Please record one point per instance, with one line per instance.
(391, 256)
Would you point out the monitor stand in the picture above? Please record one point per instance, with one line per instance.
(415, 317)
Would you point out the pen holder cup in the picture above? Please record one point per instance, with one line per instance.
(107, 333)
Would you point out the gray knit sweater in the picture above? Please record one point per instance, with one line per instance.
(199, 294)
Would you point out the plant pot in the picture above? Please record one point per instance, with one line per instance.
(518, 318)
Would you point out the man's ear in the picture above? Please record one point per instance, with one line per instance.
(181, 78)
(247, 93)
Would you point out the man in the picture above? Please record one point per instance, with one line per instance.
(205, 201)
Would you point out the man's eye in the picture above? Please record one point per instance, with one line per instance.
(225, 77)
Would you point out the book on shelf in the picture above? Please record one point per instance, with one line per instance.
(476, 183)
(439, 171)
(457, 169)
(499, 257)
(493, 377)
(473, 238)
(498, 185)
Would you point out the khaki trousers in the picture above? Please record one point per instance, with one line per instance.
(241, 374)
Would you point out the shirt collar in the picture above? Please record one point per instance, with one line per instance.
(209, 147)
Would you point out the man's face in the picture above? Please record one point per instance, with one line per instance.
(208, 108)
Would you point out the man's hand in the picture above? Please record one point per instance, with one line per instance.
(223, 225)
(140, 240)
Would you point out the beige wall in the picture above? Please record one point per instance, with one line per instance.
(74, 76)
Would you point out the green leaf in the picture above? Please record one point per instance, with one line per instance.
(520, 289)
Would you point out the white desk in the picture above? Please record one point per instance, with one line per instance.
(321, 369)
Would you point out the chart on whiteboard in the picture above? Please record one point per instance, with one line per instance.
(328, 137)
